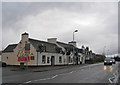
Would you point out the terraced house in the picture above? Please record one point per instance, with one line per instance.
(36, 52)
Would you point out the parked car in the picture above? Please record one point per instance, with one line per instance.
(108, 61)
(113, 60)
(3, 64)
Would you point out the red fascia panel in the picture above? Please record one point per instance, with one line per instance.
(23, 59)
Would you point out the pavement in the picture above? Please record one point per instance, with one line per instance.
(42, 68)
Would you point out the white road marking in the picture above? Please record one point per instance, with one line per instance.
(46, 78)
(28, 82)
(71, 72)
(63, 73)
(50, 78)
(110, 80)
(67, 73)
(82, 68)
(114, 79)
(54, 76)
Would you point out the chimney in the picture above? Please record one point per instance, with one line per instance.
(72, 43)
(52, 40)
(24, 37)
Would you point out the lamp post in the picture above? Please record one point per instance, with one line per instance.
(73, 34)
(73, 45)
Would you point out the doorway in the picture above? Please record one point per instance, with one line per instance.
(52, 60)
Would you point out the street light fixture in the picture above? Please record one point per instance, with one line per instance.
(73, 45)
(73, 34)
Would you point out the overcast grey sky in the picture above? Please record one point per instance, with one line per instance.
(97, 23)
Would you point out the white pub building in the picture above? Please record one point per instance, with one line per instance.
(38, 53)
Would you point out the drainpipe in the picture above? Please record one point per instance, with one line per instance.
(37, 58)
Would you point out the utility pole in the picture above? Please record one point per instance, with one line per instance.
(73, 47)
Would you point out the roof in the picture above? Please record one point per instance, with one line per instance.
(10, 48)
(65, 45)
(70, 47)
(50, 47)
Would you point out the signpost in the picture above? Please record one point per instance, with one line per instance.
(27, 52)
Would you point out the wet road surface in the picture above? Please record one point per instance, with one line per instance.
(94, 73)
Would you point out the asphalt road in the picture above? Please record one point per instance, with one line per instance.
(94, 73)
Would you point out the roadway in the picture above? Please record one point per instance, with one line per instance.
(93, 73)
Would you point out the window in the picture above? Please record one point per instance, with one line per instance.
(43, 59)
(48, 59)
(60, 59)
(32, 58)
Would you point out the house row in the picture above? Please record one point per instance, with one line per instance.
(34, 52)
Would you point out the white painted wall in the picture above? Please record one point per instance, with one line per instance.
(13, 56)
(8, 58)
(82, 58)
(56, 55)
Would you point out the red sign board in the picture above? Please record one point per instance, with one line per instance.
(23, 59)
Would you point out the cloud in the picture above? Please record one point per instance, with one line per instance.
(96, 22)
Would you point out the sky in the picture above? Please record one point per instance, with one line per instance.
(96, 22)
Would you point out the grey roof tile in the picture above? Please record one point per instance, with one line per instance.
(50, 47)
(65, 45)
(10, 48)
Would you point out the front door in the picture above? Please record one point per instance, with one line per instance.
(52, 60)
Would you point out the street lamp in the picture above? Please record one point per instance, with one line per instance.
(73, 45)
(73, 34)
